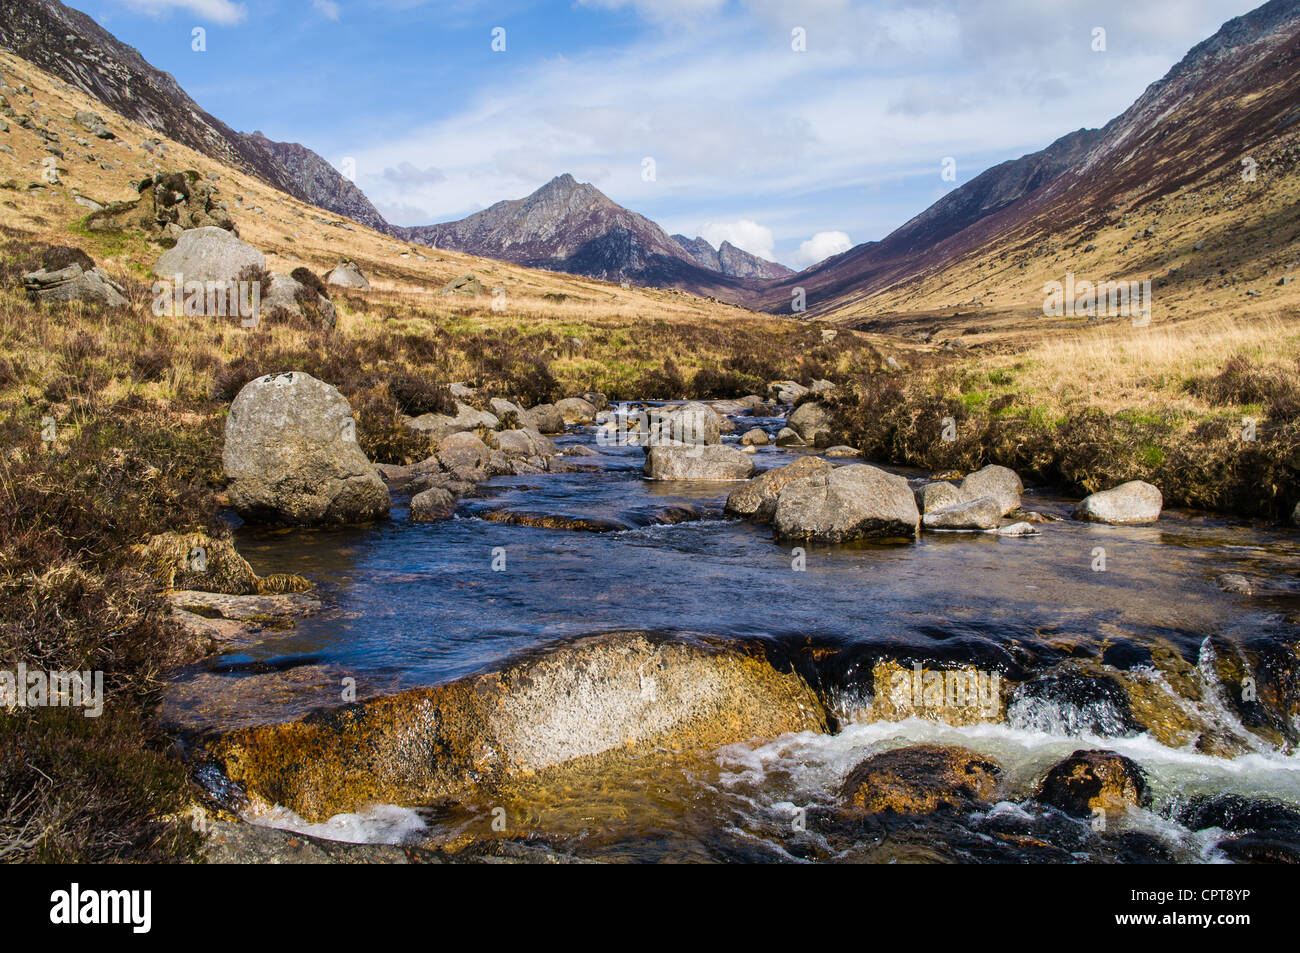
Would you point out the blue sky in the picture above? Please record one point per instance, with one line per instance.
(790, 154)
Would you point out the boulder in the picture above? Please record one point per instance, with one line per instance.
(711, 463)
(615, 699)
(432, 504)
(786, 437)
(982, 513)
(347, 274)
(439, 426)
(208, 254)
(757, 498)
(998, 482)
(466, 285)
(921, 779)
(1090, 781)
(1134, 502)
(501, 407)
(545, 418)
(841, 451)
(74, 282)
(821, 386)
(852, 502)
(575, 410)
(755, 437)
(936, 496)
(691, 424)
(464, 456)
(1019, 529)
(785, 392)
(812, 423)
(524, 442)
(288, 293)
(291, 455)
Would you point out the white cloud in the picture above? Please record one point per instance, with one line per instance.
(821, 246)
(326, 8)
(676, 12)
(744, 234)
(218, 11)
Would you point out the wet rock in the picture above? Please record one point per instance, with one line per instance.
(577, 706)
(575, 410)
(756, 499)
(208, 254)
(580, 524)
(952, 695)
(787, 437)
(348, 274)
(709, 463)
(232, 842)
(937, 496)
(1133, 502)
(851, 502)
(523, 443)
(998, 482)
(291, 455)
(440, 426)
(213, 621)
(921, 779)
(812, 423)
(755, 437)
(1069, 701)
(1267, 831)
(1235, 583)
(980, 514)
(1090, 781)
(435, 503)
(1019, 529)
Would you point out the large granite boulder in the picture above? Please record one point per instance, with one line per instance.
(853, 502)
(348, 274)
(1134, 502)
(691, 424)
(812, 423)
(757, 498)
(291, 455)
(208, 254)
(439, 426)
(73, 280)
(994, 481)
(709, 463)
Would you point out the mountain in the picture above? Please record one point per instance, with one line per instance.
(72, 46)
(730, 260)
(574, 227)
(1160, 185)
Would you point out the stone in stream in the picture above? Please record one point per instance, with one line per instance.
(464, 456)
(209, 253)
(1133, 502)
(980, 514)
(691, 424)
(1090, 781)
(1235, 583)
(841, 451)
(1019, 529)
(432, 504)
(524, 442)
(854, 502)
(756, 499)
(812, 423)
(786, 437)
(998, 482)
(545, 418)
(200, 562)
(575, 410)
(566, 710)
(921, 779)
(936, 496)
(291, 455)
(755, 437)
(709, 463)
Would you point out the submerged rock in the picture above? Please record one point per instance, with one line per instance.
(291, 455)
(577, 706)
(1088, 782)
(852, 502)
(1133, 502)
(921, 779)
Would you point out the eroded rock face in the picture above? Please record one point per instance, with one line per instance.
(291, 455)
(1091, 781)
(1133, 502)
(757, 498)
(852, 502)
(208, 254)
(921, 779)
(710, 463)
(74, 283)
(617, 696)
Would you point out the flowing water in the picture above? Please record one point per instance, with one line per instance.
(414, 604)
